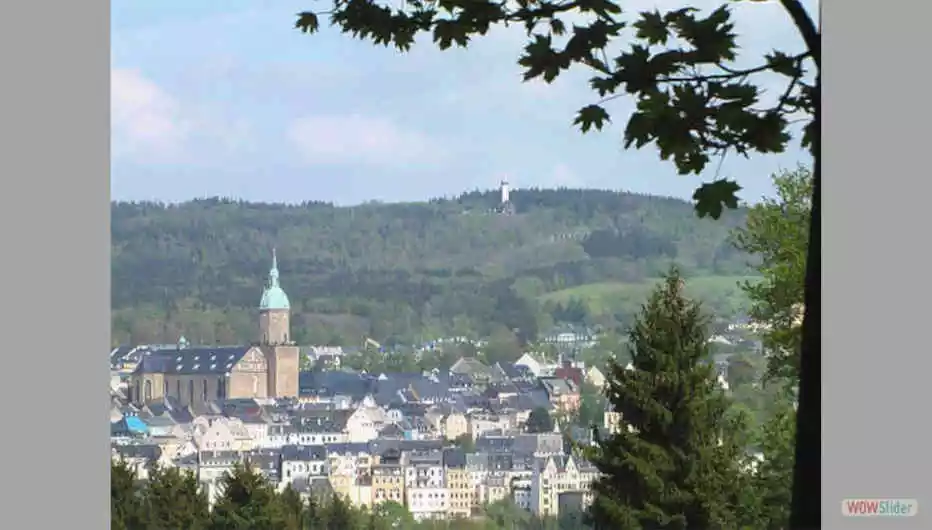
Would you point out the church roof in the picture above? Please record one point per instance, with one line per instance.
(274, 297)
(196, 360)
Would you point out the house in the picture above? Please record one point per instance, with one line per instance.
(128, 428)
(480, 424)
(538, 444)
(495, 444)
(279, 436)
(472, 368)
(497, 489)
(268, 462)
(456, 480)
(350, 472)
(558, 475)
(425, 488)
(392, 430)
(388, 478)
(568, 372)
(219, 433)
(453, 425)
(319, 427)
(530, 363)
(212, 467)
(364, 423)
(303, 462)
(563, 393)
(162, 426)
(521, 494)
(515, 372)
(139, 457)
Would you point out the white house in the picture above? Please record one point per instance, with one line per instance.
(532, 364)
(304, 462)
(425, 490)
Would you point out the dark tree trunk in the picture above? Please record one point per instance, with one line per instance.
(807, 473)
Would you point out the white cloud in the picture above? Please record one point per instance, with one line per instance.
(356, 139)
(145, 120)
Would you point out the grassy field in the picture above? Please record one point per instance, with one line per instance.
(720, 294)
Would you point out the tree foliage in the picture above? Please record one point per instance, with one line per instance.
(777, 233)
(396, 272)
(173, 499)
(677, 464)
(773, 480)
(539, 420)
(248, 501)
(694, 98)
(125, 499)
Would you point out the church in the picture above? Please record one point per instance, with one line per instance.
(196, 375)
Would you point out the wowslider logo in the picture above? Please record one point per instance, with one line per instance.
(879, 507)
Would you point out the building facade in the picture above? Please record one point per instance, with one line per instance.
(197, 375)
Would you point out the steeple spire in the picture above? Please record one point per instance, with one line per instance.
(273, 272)
(273, 297)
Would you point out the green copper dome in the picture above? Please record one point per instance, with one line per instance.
(274, 297)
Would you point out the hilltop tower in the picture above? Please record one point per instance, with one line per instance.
(505, 207)
(274, 338)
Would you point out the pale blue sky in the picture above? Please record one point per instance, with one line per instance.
(226, 98)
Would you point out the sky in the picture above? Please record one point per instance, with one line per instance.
(226, 98)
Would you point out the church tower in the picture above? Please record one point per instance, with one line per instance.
(274, 337)
(274, 310)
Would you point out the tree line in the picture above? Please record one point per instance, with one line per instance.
(396, 272)
(168, 498)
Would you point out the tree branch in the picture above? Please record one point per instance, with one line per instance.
(807, 28)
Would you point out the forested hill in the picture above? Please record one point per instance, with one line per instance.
(405, 271)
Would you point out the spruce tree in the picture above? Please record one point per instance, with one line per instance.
(773, 480)
(174, 499)
(672, 465)
(294, 509)
(339, 514)
(247, 502)
(313, 514)
(125, 497)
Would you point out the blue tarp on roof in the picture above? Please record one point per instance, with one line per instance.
(136, 425)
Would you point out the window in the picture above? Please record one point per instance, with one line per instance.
(190, 391)
(221, 389)
(205, 390)
(165, 388)
(148, 391)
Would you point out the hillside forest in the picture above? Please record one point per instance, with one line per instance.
(409, 272)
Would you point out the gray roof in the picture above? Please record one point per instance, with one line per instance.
(321, 421)
(495, 444)
(193, 360)
(148, 452)
(304, 453)
(268, 461)
(454, 458)
(348, 448)
(219, 458)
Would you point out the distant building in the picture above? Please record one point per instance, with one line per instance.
(197, 375)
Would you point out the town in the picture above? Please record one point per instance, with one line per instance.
(442, 443)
